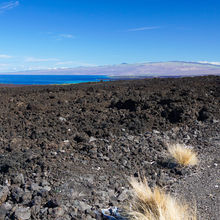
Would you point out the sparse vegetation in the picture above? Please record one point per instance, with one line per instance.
(183, 155)
(155, 204)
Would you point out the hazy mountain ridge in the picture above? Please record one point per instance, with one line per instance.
(173, 68)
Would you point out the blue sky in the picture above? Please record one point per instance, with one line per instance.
(41, 34)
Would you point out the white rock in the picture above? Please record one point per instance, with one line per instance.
(3, 193)
(92, 139)
(62, 119)
(22, 213)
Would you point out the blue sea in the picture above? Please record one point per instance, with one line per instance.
(49, 79)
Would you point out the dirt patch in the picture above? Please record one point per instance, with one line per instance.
(67, 151)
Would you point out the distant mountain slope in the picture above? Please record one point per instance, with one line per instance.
(174, 68)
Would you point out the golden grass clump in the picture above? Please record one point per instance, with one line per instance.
(183, 156)
(155, 204)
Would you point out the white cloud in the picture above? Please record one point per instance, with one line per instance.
(74, 63)
(8, 5)
(4, 67)
(35, 60)
(64, 63)
(4, 56)
(70, 36)
(58, 36)
(143, 28)
(3, 64)
(208, 62)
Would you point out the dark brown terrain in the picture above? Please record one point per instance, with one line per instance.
(67, 151)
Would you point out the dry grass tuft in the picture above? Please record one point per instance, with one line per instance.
(155, 204)
(183, 156)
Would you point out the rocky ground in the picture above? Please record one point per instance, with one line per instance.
(66, 152)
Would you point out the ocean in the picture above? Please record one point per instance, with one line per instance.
(49, 79)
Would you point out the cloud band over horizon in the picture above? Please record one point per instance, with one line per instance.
(5, 6)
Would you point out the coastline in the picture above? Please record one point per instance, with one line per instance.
(96, 79)
(49, 79)
(11, 85)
